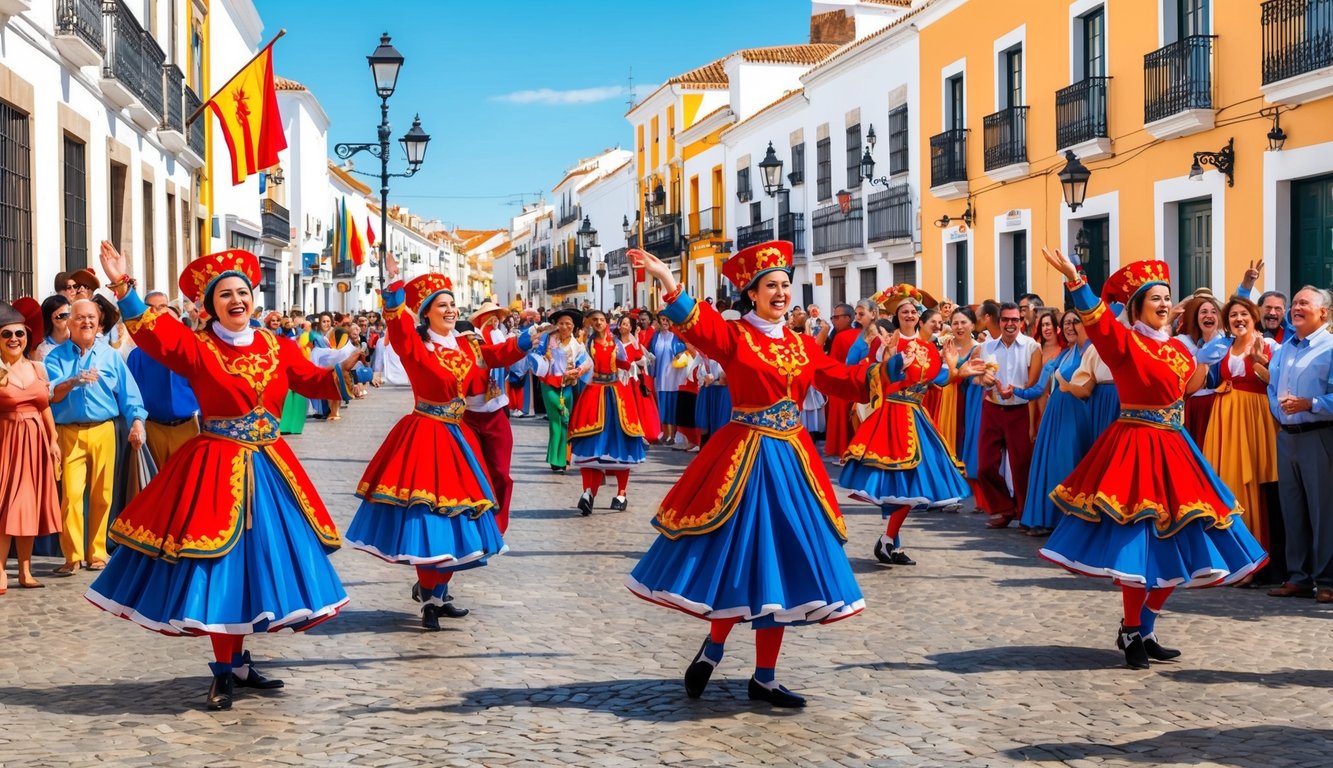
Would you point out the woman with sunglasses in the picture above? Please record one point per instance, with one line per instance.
(29, 505)
(55, 322)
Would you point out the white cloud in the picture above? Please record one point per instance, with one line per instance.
(551, 97)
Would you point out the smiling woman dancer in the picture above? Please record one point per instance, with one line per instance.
(426, 498)
(751, 531)
(1144, 508)
(231, 537)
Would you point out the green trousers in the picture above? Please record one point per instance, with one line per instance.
(559, 403)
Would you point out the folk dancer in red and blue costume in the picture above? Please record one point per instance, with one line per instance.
(488, 410)
(897, 460)
(1144, 508)
(605, 435)
(426, 497)
(561, 363)
(751, 531)
(230, 538)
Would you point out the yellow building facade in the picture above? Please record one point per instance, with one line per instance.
(1134, 89)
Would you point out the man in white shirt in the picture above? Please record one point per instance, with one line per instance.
(488, 413)
(1013, 361)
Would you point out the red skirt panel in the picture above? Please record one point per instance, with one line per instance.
(589, 414)
(429, 461)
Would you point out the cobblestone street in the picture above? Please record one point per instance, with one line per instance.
(982, 655)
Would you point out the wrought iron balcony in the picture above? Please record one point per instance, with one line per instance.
(754, 234)
(275, 222)
(662, 239)
(1006, 137)
(706, 221)
(948, 159)
(173, 84)
(563, 277)
(791, 227)
(122, 70)
(1297, 37)
(344, 269)
(835, 230)
(570, 215)
(79, 34)
(1080, 112)
(1178, 77)
(194, 132)
(152, 77)
(617, 264)
(890, 213)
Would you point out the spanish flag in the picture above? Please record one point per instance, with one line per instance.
(247, 107)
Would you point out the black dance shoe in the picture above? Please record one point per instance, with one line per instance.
(619, 503)
(430, 617)
(1157, 651)
(449, 610)
(585, 504)
(698, 673)
(899, 557)
(883, 555)
(252, 677)
(778, 696)
(416, 593)
(220, 692)
(1131, 642)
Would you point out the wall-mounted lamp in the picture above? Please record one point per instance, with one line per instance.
(770, 170)
(1074, 181)
(1224, 160)
(945, 220)
(1277, 137)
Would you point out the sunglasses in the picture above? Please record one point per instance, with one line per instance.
(62, 316)
(75, 287)
(19, 334)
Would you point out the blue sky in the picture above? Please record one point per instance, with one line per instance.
(512, 93)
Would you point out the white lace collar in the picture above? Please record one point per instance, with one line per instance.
(243, 338)
(448, 342)
(771, 329)
(1162, 334)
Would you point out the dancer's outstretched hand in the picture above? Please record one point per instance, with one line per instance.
(1060, 263)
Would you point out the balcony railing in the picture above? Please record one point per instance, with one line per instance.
(570, 215)
(1178, 77)
(344, 269)
(948, 159)
(754, 234)
(1006, 137)
(174, 94)
(835, 231)
(617, 264)
(152, 76)
(661, 239)
(539, 256)
(82, 19)
(564, 277)
(1080, 112)
(1298, 37)
(791, 227)
(124, 61)
(890, 213)
(706, 221)
(275, 221)
(195, 132)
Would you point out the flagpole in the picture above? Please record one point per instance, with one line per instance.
(190, 120)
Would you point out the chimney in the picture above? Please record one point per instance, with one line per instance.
(837, 27)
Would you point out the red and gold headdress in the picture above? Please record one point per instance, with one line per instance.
(422, 290)
(890, 299)
(203, 273)
(1132, 278)
(750, 264)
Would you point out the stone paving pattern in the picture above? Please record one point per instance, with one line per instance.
(982, 655)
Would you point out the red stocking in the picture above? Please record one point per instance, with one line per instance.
(768, 644)
(622, 480)
(1134, 598)
(718, 629)
(592, 480)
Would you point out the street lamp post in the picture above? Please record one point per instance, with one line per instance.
(385, 64)
(587, 241)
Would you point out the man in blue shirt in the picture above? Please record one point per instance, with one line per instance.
(171, 404)
(90, 387)
(1300, 395)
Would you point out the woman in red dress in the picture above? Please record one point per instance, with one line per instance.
(605, 436)
(1144, 508)
(426, 498)
(230, 538)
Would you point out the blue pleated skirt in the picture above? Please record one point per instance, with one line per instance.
(609, 447)
(418, 535)
(277, 576)
(776, 561)
(712, 408)
(972, 427)
(935, 481)
(1134, 555)
(1103, 410)
(666, 407)
(1062, 441)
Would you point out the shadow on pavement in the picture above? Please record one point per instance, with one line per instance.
(574, 553)
(1222, 745)
(649, 700)
(130, 697)
(1308, 678)
(1008, 658)
(373, 622)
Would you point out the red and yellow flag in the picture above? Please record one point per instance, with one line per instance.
(247, 107)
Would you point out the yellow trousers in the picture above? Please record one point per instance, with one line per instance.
(89, 465)
(163, 441)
